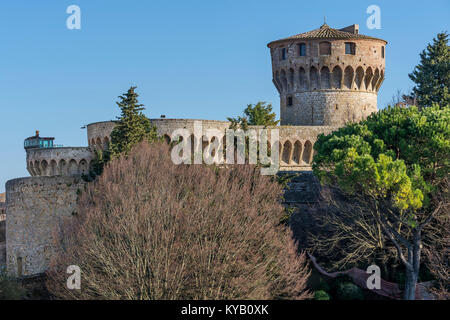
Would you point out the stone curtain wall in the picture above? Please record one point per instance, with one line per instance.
(34, 207)
(68, 161)
(99, 134)
(296, 142)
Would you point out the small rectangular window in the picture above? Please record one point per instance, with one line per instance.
(302, 49)
(350, 48)
(283, 53)
(289, 101)
(325, 48)
(382, 52)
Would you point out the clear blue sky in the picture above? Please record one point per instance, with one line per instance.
(190, 59)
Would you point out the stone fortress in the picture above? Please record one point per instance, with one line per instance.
(325, 78)
(2, 229)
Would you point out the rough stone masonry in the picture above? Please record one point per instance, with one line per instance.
(325, 77)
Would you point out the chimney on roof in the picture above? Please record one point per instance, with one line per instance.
(354, 28)
(37, 133)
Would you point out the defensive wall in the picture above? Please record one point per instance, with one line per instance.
(325, 77)
(296, 142)
(35, 207)
(67, 161)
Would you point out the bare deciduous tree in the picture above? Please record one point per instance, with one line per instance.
(149, 229)
(356, 228)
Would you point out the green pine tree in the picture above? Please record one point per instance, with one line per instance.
(132, 125)
(259, 114)
(432, 75)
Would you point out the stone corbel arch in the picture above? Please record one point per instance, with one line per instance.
(307, 152)
(31, 168)
(286, 155)
(303, 80)
(291, 79)
(62, 167)
(37, 168)
(336, 77)
(44, 168)
(380, 80)
(376, 77)
(284, 80)
(105, 144)
(277, 82)
(54, 168)
(297, 152)
(368, 78)
(325, 78)
(314, 78)
(359, 78)
(98, 143)
(349, 78)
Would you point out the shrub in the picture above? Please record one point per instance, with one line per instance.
(321, 295)
(10, 289)
(149, 229)
(342, 288)
(349, 291)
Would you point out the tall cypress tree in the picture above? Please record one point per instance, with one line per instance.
(432, 75)
(132, 125)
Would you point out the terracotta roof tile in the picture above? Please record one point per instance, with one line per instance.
(325, 32)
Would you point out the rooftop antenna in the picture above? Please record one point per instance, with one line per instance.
(324, 20)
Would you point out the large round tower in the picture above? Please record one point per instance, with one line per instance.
(327, 76)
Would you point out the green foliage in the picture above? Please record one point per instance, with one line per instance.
(284, 178)
(288, 211)
(101, 159)
(398, 154)
(321, 295)
(432, 75)
(259, 114)
(10, 289)
(323, 285)
(132, 125)
(343, 288)
(238, 123)
(349, 291)
(394, 167)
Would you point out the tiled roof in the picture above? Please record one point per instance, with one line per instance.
(325, 32)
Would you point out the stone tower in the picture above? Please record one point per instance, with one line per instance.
(327, 77)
